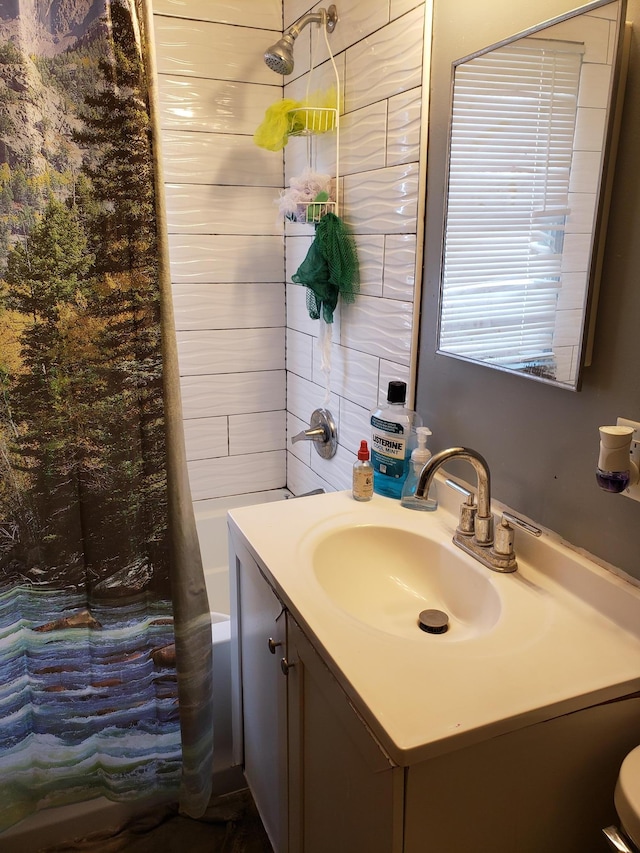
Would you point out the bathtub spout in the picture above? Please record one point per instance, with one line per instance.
(307, 494)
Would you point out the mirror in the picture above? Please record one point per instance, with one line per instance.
(531, 143)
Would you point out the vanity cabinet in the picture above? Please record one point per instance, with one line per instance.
(323, 781)
(345, 794)
(319, 778)
(260, 692)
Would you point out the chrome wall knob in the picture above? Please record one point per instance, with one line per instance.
(322, 431)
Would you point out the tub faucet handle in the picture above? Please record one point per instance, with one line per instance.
(322, 431)
(311, 434)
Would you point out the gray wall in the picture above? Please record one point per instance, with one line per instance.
(541, 442)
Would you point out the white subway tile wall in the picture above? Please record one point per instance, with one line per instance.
(225, 239)
(263, 13)
(379, 51)
(232, 257)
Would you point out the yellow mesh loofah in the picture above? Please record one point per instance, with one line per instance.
(327, 100)
(276, 126)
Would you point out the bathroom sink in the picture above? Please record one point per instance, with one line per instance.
(557, 635)
(385, 577)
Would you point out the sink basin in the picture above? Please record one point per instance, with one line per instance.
(384, 577)
(559, 635)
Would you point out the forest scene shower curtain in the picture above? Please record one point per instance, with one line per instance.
(88, 682)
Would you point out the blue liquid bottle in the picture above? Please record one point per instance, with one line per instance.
(392, 440)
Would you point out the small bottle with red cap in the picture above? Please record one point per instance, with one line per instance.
(363, 475)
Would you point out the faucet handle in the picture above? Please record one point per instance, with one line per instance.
(520, 522)
(468, 510)
(504, 536)
(458, 488)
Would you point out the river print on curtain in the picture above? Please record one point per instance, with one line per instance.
(92, 573)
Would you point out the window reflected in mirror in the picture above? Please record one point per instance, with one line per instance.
(530, 128)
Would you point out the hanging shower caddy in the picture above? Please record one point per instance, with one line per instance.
(311, 122)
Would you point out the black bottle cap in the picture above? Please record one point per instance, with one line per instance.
(397, 392)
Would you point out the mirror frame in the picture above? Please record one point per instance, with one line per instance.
(616, 98)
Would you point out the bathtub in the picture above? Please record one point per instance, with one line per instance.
(56, 825)
(211, 523)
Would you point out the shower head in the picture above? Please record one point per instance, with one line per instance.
(279, 57)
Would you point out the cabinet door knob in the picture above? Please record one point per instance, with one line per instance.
(285, 666)
(273, 645)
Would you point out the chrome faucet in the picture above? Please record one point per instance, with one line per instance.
(474, 533)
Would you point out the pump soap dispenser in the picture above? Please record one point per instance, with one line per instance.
(419, 457)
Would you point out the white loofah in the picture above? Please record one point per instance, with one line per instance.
(303, 190)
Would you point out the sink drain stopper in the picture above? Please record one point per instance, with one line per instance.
(433, 621)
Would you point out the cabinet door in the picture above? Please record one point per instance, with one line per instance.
(261, 629)
(345, 794)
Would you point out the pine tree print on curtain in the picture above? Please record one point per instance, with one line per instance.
(88, 693)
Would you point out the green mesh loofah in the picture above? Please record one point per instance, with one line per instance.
(330, 268)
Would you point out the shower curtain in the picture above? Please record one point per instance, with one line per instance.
(105, 643)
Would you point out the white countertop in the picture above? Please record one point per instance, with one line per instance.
(568, 635)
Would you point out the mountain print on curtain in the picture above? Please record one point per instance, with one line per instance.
(88, 687)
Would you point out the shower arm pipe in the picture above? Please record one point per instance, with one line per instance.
(319, 17)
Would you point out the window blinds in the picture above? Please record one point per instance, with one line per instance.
(513, 122)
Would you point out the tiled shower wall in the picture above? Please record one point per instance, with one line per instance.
(379, 50)
(225, 243)
(227, 247)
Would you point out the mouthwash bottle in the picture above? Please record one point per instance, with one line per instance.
(392, 430)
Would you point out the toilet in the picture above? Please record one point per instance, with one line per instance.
(627, 802)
